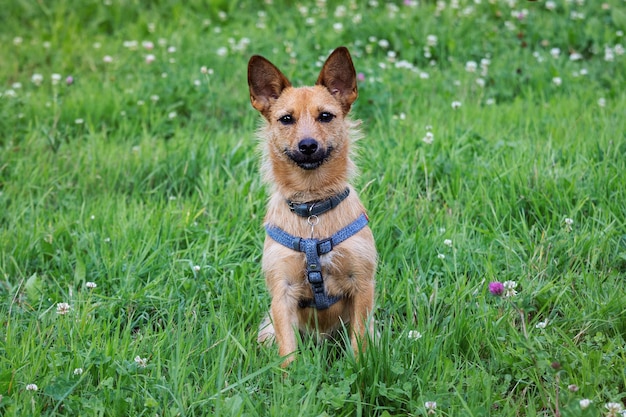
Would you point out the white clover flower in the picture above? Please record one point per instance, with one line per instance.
(222, 51)
(37, 79)
(575, 56)
(414, 334)
(17, 40)
(130, 44)
(569, 221)
(16, 85)
(141, 362)
(154, 98)
(150, 58)
(441, 256)
(383, 43)
(490, 101)
(601, 102)
(429, 138)
(63, 308)
(431, 40)
(171, 115)
(79, 122)
(196, 268)
(510, 288)
(78, 371)
(613, 409)
(107, 59)
(403, 64)
(147, 45)
(340, 11)
(447, 242)
(542, 324)
(471, 66)
(430, 406)
(480, 82)
(32, 387)
(557, 81)
(574, 15)
(555, 52)
(456, 104)
(550, 5)
(55, 78)
(90, 284)
(584, 403)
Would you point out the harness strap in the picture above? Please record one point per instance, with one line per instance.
(313, 248)
(316, 208)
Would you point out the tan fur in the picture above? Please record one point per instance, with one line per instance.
(349, 269)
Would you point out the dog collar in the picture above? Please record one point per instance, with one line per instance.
(315, 208)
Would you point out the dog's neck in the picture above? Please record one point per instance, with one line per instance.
(306, 186)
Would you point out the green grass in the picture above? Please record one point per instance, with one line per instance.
(143, 179)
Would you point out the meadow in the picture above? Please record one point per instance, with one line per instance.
(492, 164)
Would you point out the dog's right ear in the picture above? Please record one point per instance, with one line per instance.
(266, 83)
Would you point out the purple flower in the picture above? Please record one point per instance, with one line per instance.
(496, 288)
(69, 80)
(360, 76)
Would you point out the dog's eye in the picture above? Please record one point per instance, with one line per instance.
(287, 119)
(325, 117)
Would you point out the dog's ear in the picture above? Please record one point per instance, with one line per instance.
(266, 83)
(339, 77)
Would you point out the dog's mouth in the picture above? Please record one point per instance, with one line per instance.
(309, 161)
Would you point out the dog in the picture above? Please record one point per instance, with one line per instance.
(319, 256)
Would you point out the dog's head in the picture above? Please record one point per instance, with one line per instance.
(307, 126)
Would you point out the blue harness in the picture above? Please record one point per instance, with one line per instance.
(313, 248)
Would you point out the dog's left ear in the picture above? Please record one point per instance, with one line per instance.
(339, 77)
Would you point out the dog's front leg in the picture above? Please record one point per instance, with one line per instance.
(285, 325)
(361, 318)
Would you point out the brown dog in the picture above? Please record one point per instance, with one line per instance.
(319, 258)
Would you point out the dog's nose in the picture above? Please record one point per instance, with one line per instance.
(307, 146)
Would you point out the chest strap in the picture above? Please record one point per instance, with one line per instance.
(313, 248)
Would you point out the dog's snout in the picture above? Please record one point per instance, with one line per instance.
(307, 146)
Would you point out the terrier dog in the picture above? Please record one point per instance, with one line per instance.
(319, 257)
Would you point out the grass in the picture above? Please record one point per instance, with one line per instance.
(143, 179)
